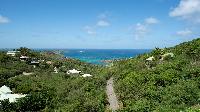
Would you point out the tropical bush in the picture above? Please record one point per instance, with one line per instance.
(171, 84)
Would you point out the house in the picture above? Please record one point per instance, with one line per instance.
(49, 62)
(167, 54)
(34, 62)
(24, 73)
(6, 93)
(73, 71)
(12, 53)
(11, 97)
(5, 90)
(150, 58)
(24, 58)
(55, 70)
(86, 75)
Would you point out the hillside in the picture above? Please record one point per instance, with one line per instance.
(47, 90)
(164, 80)
(164, 83)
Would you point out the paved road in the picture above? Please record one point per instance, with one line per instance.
(112, 99)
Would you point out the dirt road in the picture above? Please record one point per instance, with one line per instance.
(112, 99)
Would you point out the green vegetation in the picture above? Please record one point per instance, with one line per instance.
(49, 91)
(165, 84)
(71, 93)
(171, 84)
(10, 67)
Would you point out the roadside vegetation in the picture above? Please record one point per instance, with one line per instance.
(168, 84)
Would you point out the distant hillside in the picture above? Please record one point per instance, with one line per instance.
(164, 80)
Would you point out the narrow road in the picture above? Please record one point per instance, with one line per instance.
(112, 99)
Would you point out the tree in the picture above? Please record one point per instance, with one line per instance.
(24, 51)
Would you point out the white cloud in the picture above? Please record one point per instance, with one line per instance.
(187, 10)
(90, 30)
(103, 23)
(4, 19)
(151, 20)
(103, 20)
(102, 16)
(142, 29)
(184, 33)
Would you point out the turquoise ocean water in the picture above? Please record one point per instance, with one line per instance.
(96, 56)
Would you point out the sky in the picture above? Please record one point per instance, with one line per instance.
(98, 24)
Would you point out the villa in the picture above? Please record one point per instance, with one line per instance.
(12, 53)
(167, 54)
(11, 97)
(24, 58)
(49, 62)
(150, 58)
(35, 62)
(55, 70)
(5, 90)
(6, 93)
(73, 71)
(86, 75)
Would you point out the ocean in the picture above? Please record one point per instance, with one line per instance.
(97, 56)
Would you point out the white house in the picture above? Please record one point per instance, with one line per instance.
(6, 93)
(150, 58)
(11, 97)
(23, 58)
(35, 62)
(73, 71)
(86, 75)
(167, 54)
(49, 62)
(55, 70)
(12, 53)
(5, 90)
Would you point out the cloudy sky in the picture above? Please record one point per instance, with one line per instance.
(98, 24)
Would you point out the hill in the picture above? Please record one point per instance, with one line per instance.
(164, 80)
(47, 90)
(168, 82)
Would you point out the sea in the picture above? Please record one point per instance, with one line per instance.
(98, 56)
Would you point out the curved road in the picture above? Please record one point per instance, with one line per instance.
(112, 99)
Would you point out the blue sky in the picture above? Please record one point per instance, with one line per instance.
(98, 24)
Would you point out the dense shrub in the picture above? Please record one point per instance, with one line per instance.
(171, 84)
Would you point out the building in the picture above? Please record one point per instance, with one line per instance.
(73, 71)
(6, 93)
(49, 62)
(11, 97)
(150, 58)
(5, 90)
(34, 62)
(12, 53)
(171, 55)
(86, 75)
(55, 70)
(24, 58)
